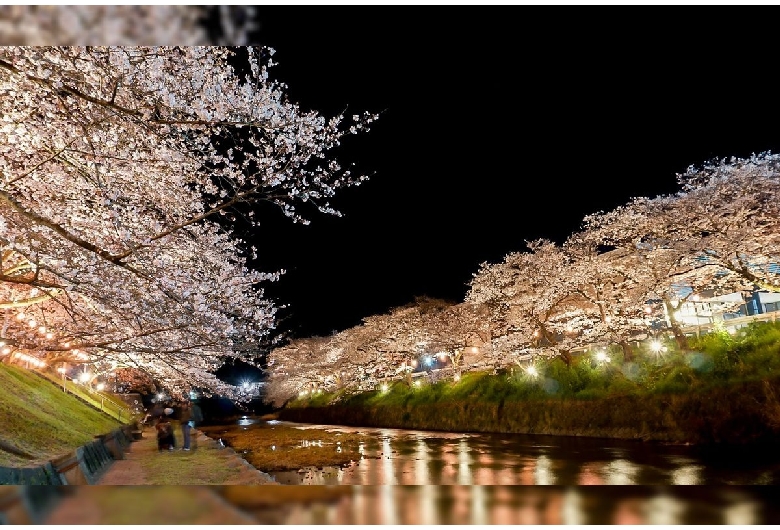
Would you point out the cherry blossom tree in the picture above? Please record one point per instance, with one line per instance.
(457, 332)
(732, 217)
(116, 165)
(526, 293)
(719, 233)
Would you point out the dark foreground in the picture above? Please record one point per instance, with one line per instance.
(233, 505)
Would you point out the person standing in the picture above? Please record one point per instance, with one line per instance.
(186, 425)
(165, 438)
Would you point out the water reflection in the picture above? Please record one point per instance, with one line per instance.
(400, 457)
(464, 462)
(396, 505)
(246, 421)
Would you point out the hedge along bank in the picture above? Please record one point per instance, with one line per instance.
(740, 413)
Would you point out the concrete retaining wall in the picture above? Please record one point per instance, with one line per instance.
(83, 466)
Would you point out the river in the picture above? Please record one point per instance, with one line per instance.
(413, 477)
(406, 457)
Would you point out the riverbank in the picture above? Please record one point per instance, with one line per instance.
(743, 413)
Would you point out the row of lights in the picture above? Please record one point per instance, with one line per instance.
(47, 333)
(28, 359)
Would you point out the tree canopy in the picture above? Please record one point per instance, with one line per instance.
(117, 165)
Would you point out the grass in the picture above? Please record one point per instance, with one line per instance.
(101, 400)
(206, 465)
(283, 448)
(40, 422)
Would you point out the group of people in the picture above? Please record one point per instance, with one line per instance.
(160, 416)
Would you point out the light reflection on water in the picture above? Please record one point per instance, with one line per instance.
(535, 505)
(372, 505)
(245, 421)
(400, 457)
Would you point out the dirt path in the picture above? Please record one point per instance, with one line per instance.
(207, 463)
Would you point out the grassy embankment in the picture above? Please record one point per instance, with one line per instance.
(39, 422)
(723, 389)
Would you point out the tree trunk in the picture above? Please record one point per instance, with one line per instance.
(679, 336)
(628, 351)
(565, 356)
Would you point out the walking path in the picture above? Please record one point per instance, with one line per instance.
(207, 463)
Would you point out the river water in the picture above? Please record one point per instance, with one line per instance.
(406, 457)
(423, 477)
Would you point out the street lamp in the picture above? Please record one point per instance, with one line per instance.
(63, 369)
(100, 387)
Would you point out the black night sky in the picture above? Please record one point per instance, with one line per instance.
(500, 124)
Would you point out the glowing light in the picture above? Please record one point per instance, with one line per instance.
(50, 335)
(6, 350)
(273, 448)
(656, 346)
(416, 383)
(101, 386)
(61, 370)
(66, 345)
(42, 329)
(536, 333)
(384, 387)
(20, 316)
(160, 396)
(457, 377)
(84, 377)
(30, 359)
(531, 370)
(608, 320)
(32, 323)
(602, 356)
(648, 310)
(428, 361)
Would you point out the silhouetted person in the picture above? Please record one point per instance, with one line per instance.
(186, 425)
(165, 439)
